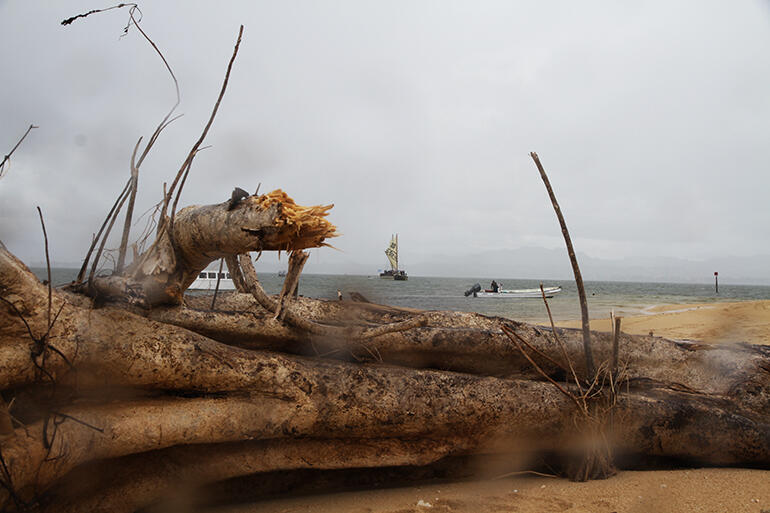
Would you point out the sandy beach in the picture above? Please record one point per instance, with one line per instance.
(663, 491)
(697, 490)
(741, 321)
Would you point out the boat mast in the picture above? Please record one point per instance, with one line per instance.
(392, 253)
(396, 252)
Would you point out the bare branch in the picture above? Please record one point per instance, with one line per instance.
(590, 367)
(184, 169)
(47, 265)
(167, 120)
(297, 261)
(515, 338)
(129, 211)
(7, 158)
(256, 290)
(69, 21)
(181, 186)
(219, 278)
(235, 273)
(560, 342)
(106, 235)
(98, 236)
(135, 164)
(615, 338)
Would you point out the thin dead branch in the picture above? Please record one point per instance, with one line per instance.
(69, 21)
(129, 211)
(47, 265)
(516, 339)
(543, 355)
(110, 216)
(235, 273)
(121, 200)
(219, 279)
(560, 342)
(297, 260)
(615, 338)
(590, 366)
(7, 158)
(135, 164)
(256, 290)
(167, 120)
(184, 169)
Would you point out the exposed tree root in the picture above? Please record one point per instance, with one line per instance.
(133, 482)
(214, 394)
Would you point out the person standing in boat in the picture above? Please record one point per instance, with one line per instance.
(494, 286)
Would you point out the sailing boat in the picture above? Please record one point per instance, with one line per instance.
(392, 253)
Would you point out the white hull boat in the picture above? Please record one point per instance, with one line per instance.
(207, 280)
(513, 293)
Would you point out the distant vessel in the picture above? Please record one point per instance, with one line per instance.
(282, 273)
(476, 291)
(392, 253)
(207, 280)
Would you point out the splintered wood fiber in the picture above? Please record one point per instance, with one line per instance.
(299, 227)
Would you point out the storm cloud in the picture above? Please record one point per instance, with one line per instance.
(416, 118)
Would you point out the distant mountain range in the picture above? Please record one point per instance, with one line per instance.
(554, 264)
(541, 263)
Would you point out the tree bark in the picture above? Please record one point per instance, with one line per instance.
(135, 481)
(199, 235)
(203, 393)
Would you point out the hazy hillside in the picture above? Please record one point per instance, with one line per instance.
(547, 263)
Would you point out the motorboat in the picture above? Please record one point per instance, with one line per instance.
(477, 291)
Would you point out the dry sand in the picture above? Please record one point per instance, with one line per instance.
(743, 321)
(697, 490)
(701, 490)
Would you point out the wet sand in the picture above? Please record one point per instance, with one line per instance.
(664, 491)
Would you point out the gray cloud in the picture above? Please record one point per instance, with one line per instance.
(416, 118)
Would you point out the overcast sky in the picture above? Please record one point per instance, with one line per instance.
(651, 118)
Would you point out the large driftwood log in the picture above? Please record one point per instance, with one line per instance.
(119, 389)
(197, 386)
(128, 483)
(198, 235)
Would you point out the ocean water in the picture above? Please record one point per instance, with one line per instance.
(625, 298)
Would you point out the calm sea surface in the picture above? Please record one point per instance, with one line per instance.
(447, 294)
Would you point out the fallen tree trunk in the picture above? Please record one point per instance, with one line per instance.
(198, 235)
(122, 378)
(700, 403)
(133, 482)
(474, 343)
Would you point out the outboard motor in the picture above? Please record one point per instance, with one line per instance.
(473, 290)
